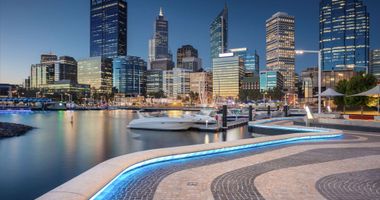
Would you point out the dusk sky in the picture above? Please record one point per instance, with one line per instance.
(29, 28)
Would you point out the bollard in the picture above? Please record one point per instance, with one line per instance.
(286, 111)
(224, 117)
(250, 113)
(268, 111)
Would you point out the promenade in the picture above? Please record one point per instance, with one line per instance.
(346, 167)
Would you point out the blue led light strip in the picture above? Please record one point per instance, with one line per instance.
(99, 194)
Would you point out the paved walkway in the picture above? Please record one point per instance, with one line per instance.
(347, 168)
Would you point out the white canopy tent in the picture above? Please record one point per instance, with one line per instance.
(330, 93)
(374, 92)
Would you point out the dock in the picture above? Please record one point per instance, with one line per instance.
(218, 127)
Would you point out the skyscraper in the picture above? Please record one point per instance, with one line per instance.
(375, 63)
(219, 34)
(344, 35)
(280, 47)
(159, 44)
(108, 28)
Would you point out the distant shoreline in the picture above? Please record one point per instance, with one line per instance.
(12, 129)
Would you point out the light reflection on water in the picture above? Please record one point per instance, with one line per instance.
(66, 143)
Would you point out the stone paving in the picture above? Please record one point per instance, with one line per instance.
(224, 176)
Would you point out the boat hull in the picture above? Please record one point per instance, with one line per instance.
(163, 125)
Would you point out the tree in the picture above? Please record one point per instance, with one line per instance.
(159, 94)
(276, 93)
(355, 85)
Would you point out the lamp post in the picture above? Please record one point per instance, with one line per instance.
(300, 52)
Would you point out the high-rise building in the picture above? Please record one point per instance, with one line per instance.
(176, 82)
(108, 28)
(330, 78)
(219, 34)
(159, 44)
(251, 61)
(344, 35)
(280, 47)
(129, 75)
(270, 80)
(96, 72)
(375, 63)
(228, 71)
(66, 69)
(41, 74)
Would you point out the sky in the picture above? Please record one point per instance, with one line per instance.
(29, 28)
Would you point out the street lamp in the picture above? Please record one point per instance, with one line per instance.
(301, 52)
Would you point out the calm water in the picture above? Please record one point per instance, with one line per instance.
(58, 150)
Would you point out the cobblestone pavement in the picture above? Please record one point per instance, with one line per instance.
(362, 185)
(149, 182)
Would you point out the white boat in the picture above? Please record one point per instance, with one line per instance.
(161, 123)
(204, 116)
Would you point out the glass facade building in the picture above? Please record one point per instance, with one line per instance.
(270, 80)
(96, 72)
(375, 63)
(153, 81)
(228, 72)
(344, 35)
(66, 69)
(280, 47)
(41, 74)
(129, 75)
(108, 28)
(219, 34)
(251, 61)
(159, 44)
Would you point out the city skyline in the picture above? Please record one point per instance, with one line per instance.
(19, 48)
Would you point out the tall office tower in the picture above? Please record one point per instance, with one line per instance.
(219, 34)
(108, 32)
(66, 69)
(96, 72)
(374, 66)
(280, 47)
(251, 61)
(159, 44)
(344, 35)
(129, 75)
(227, 73)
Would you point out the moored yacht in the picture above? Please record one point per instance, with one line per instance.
(161, 123)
